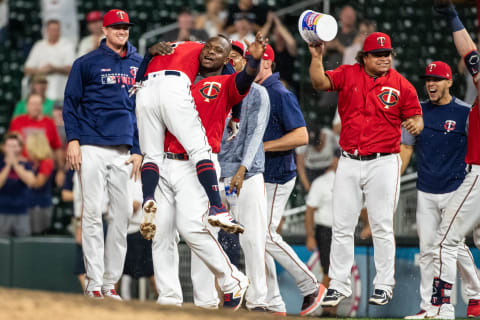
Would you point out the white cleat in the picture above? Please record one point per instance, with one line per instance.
(112, 294)
(94, 294)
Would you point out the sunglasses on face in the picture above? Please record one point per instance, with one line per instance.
(381, 54)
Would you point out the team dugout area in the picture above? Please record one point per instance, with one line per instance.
(418, 37)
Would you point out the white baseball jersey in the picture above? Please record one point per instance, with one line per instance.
(320, 196)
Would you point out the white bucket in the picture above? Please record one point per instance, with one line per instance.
(315, 27)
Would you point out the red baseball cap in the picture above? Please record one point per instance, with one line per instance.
(116, 17)
(438, 69)
(94, 16)
(268, 54)
(377, 42)
(239, 46)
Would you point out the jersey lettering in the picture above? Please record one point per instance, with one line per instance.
(210, 90)
(389, 96)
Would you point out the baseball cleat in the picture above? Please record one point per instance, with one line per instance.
(422, 314)
(94, 294)
(446, 311)
(233, 300)
(473, 310)
(219, 217)
(112, 294)
(332, 298)
(313, 301)
(380, 297)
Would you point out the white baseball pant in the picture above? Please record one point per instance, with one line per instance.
(378, 181)
(104, 174)
(182, 205)
(249, 210)
(460, 217)
(278, 249)
(165, 102)
(430, 208)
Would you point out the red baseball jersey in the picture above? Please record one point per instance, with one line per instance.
(214, 97)
(184, 59)
(371, 109)
(473, 142)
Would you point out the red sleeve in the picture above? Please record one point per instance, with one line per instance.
(337, 77)
(234, 97)
(46, 167)
(410, 105)
(55, 141)
(14, 125)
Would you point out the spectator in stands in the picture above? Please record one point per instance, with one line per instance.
(284, 45)
(64, 11)
(365, 27)
(3, 20)
(243, 30)
(39, 86)
(40, 204)
(245, 8)
(94, 26)
(52, 56)
(15, 176)
(213, 20)
(186, 29)
(35, 121)
(316, 157)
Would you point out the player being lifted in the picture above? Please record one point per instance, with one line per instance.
(165, 102)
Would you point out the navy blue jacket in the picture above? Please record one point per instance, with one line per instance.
(285, 115)
(97, 109)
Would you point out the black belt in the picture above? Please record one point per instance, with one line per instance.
(172, 73)
(364, 158)
(176, 156)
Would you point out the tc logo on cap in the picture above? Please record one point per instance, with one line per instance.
(431, 66)
(121, 14)
(381, 41)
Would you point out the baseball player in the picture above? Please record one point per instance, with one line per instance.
(242, 162)
(285, 131)
(439, 175)
(461, 214)
(103, 147)
(174, 73)
(181, 201)
(374, 102)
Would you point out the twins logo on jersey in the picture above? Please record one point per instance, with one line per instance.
(449, 125)
(389, 96)
(210, 90)
(133, 71)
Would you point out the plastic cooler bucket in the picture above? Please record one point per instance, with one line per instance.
(316, 27)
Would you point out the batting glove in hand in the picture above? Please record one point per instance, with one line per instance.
(233, 128)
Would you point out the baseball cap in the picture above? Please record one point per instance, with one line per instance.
(268, 54)
(377, 42)
(239, 47)
(94, 16)
(438, 69)
(116, 17)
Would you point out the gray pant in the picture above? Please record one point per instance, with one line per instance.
(14, 225)
(40, 219)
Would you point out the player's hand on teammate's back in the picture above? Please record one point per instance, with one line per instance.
(237, 180)
(256, 48)
(136, 161)
(414, 125)
(74, 155)
(316, 49)
(161, 48)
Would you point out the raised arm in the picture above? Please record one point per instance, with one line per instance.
(320, 81)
